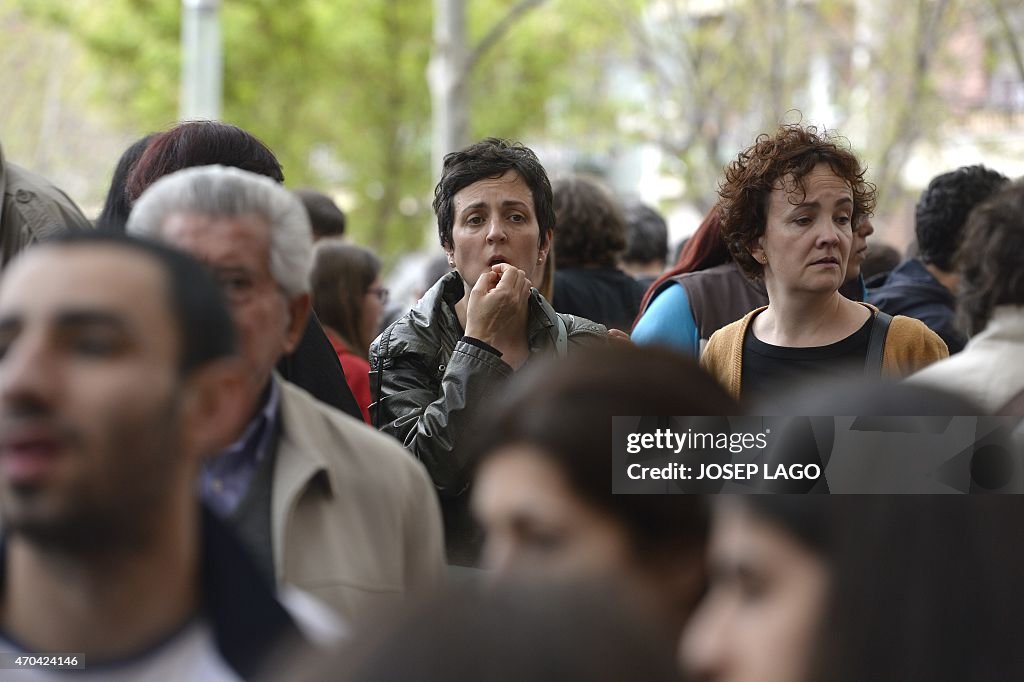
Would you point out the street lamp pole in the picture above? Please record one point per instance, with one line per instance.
(202, 61)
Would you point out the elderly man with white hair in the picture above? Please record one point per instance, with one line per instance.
(325, 502)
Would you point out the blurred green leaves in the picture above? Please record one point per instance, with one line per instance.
(336, 88)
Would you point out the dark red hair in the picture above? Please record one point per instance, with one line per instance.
(201, 143)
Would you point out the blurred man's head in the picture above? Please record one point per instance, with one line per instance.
(859, 249)
(255, 236)
(116, 377)
(990, 259)
(325, 218)
(942, 210)
(646, 241)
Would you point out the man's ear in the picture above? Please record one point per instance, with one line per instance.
(298, 311)
(216, 405)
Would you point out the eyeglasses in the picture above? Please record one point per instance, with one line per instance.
(380, 292)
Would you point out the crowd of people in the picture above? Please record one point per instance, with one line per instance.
(222, 459)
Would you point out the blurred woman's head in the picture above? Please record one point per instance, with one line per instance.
(347, 293)
(850, 588)
(769, 587)
(590, 226)
(543, 490)
(791, 184)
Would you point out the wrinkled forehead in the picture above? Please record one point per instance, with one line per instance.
(216, 239)
(795, 189)
(508, 187)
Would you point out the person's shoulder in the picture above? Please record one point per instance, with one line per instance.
(942, 373)
(729, 331)
(913, 345)
(581, 326)
(352, 443)
(419, 331)
(727, 270)
(911, 328)
(664, 315)
(30, 189)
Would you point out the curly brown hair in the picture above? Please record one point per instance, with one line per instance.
(787, 156)
(590, 226)
(990, 260)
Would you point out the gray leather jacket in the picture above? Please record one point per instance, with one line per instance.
(425, 379)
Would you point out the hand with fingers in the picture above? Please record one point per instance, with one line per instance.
(497, 312)
(619, 336)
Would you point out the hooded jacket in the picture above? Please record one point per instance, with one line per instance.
(912, 291)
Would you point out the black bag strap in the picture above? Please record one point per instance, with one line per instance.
(876, 343)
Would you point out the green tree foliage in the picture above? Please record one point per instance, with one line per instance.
(336, 88)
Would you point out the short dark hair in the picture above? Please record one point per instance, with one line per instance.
(117, 207)
(491, 158)
(792, 152)
(646, 234)
(326, 219)
(589, 222)
(991, 258)
(201, 143)
(942, 210)
(197, 303)
(341, 275)
(564, 409)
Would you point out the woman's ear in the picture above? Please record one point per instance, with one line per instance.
(545, 243)
(757, 251)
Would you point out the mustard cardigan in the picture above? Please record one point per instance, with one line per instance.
(909, 346)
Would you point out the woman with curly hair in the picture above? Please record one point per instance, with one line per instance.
(789, 205)
(707, 290)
